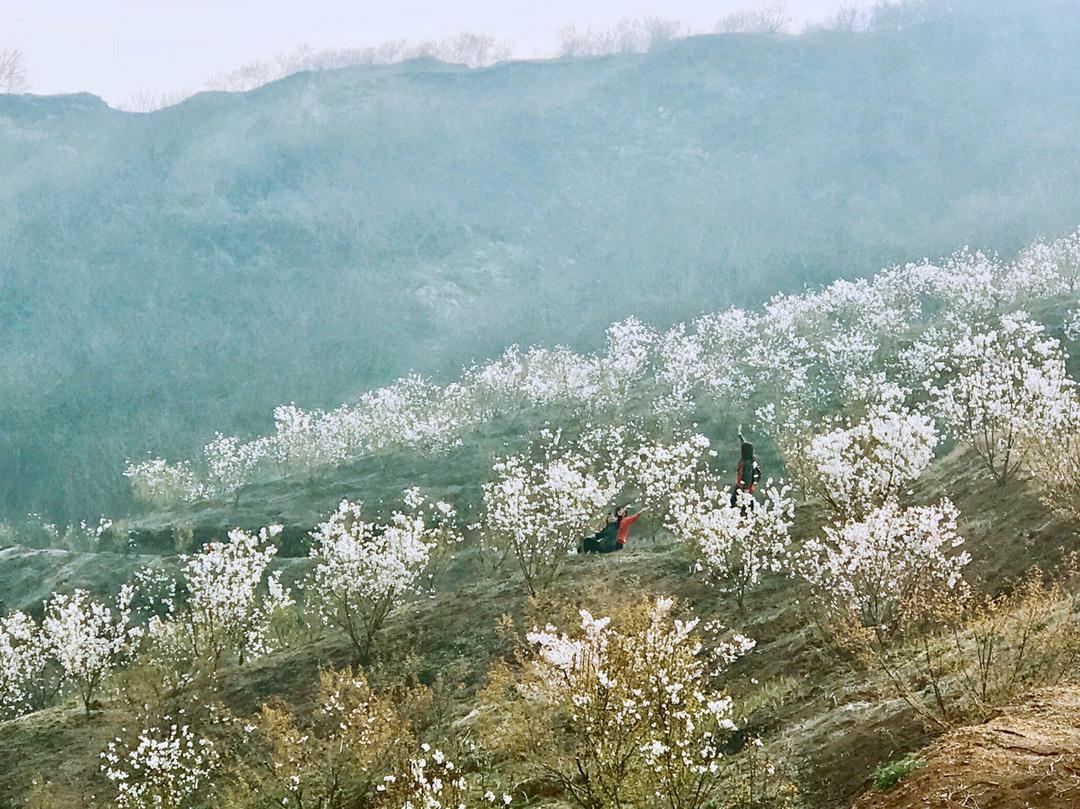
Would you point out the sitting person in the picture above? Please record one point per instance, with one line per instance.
(602, 538)
(612, 537)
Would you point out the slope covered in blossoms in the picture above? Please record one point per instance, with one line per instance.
(843, 723)
(899, 566)
(171, 274)
(916, 348)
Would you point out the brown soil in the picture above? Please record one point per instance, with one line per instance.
(1026, 756)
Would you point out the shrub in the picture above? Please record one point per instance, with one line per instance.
(889, 774)
(336, 759)
(627, 715)
(164, 767)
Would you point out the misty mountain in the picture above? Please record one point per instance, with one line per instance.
(166, 275)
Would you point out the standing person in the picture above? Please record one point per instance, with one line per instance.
(747, 474)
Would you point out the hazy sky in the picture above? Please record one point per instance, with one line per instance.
(114, 47)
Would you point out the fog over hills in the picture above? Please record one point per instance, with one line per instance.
(166, 275)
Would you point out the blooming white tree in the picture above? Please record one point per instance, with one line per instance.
(362, 570)
(860, 464)
(544, 502)
(163, 768)
(1004, 386)
(230, 602)
(658, 470)
(24, 656)
(869, 567)
(231, 464)
(88, 638)
(1054, 460)
(726, 339)
(680, 367)
(1046, 269)
(158, 482)
(1072, 326)
(431, 781)
(734, 544)
(628, 347)
(559, 376)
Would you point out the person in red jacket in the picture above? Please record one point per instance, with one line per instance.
(747, 474)
(612, 537)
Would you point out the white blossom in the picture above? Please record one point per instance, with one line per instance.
(24, 655)
(162, 769)
(870, 566)
(87, 638)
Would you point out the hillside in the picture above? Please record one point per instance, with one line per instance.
(899, 565)
(171, 274)
(832, 721)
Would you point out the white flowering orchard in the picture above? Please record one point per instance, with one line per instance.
(805, 354)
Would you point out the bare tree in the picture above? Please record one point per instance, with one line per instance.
(770, 17)
(466, 48)
(626, 36)
(246, 77)
(147, 101)
(12, 72)
(659, 30)
(849, 17)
